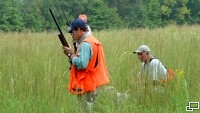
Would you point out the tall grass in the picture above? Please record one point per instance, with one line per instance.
(34, 71)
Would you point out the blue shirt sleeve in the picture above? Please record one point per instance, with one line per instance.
(84, 55)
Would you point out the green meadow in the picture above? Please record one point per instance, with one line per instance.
(34, 72)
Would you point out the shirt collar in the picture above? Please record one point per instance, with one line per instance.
(83, 37)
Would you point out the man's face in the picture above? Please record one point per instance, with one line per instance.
(143, 56)
(76, 35)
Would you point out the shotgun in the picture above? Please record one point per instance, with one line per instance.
(74, 43)
(60, 35)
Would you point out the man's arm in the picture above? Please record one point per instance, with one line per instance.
(84, 54)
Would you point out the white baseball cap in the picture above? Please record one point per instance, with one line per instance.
(142, 48)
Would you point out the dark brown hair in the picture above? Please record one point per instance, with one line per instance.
(84, 28)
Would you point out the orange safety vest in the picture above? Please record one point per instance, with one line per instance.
(96, 73)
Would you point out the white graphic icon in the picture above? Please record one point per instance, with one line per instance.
(192, 106)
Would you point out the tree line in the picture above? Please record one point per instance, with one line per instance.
(33, 15)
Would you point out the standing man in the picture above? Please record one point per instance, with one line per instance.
(88, 71)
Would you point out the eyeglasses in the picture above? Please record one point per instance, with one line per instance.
(139, 54)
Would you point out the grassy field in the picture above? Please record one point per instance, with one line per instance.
(34, 71)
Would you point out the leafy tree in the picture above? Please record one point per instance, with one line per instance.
(11, 19)
(138, 17)
(125, 9)
(194, 7)
(31, 15)
(47, 21)
(167, 9)
(34, 15)
(101, 16)
(181, 11)
(174, 11)
(154, 13)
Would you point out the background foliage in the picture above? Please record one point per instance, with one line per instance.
(33, 15)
